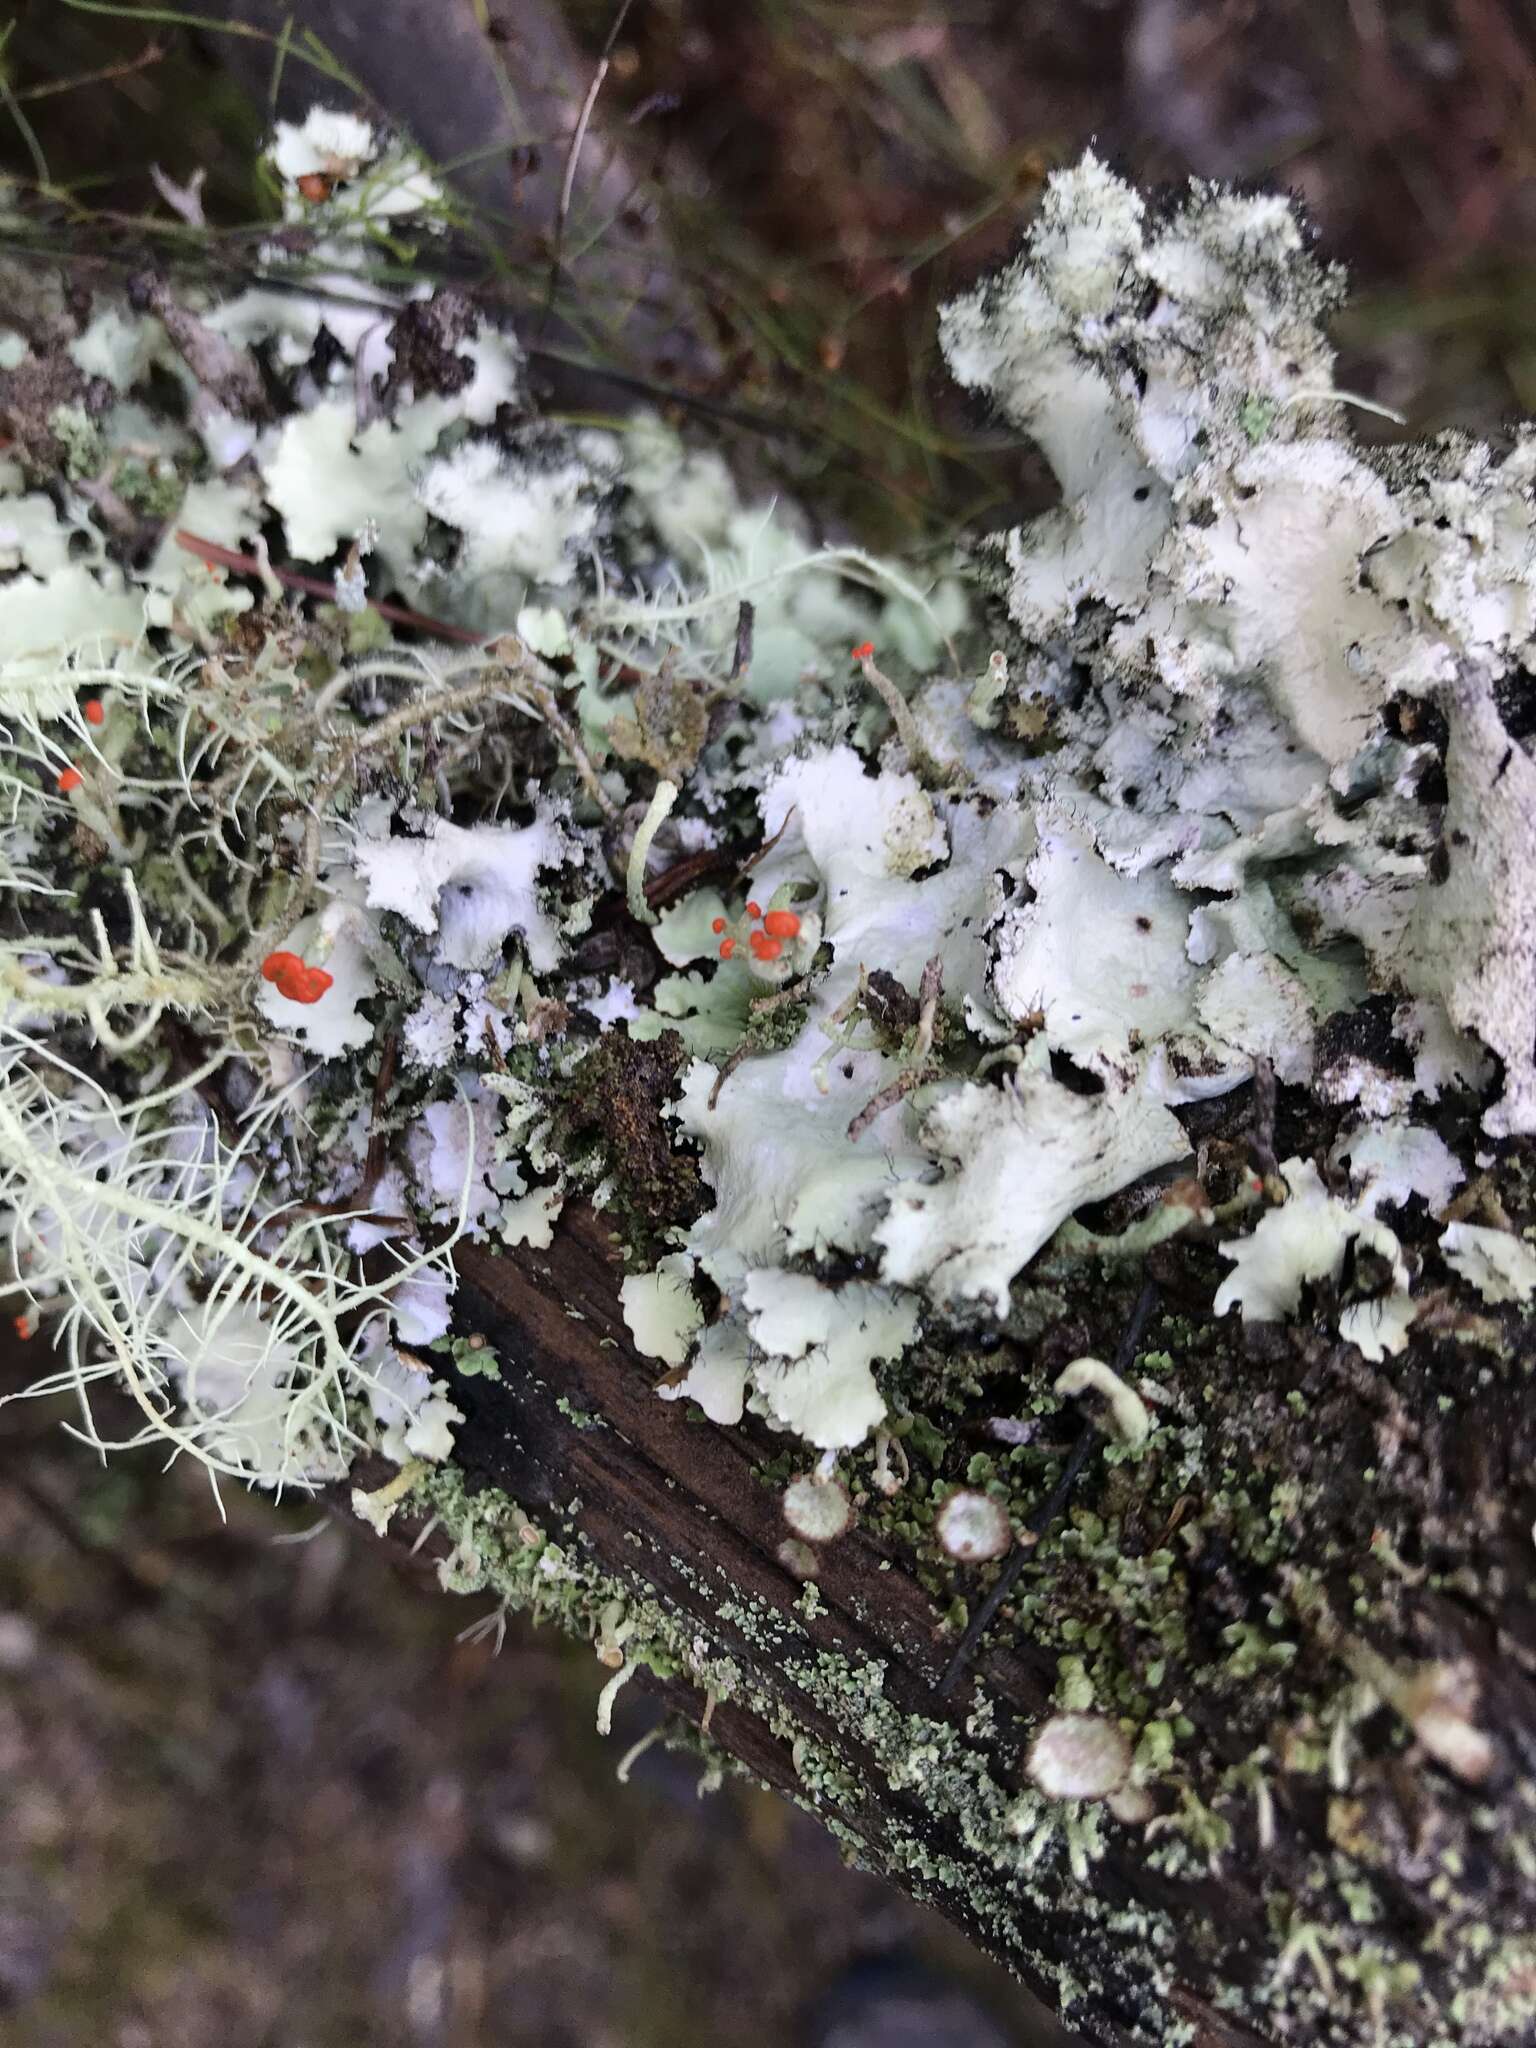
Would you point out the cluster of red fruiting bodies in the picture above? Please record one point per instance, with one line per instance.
(301, 983)
(767, 938)
(289, 975)
(291, 978)
(95, 714)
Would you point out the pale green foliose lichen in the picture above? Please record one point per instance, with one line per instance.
(965, 957)
(840, 990)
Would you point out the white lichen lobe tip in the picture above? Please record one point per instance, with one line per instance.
(817, 1509)
(1452, 1741)
(1120, 1408)
(1500, 1266)
(1079, 1756)
(329, 142)
(972, 1528)
(661, 1312)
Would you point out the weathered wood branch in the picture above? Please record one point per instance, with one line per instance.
(1302, 1868)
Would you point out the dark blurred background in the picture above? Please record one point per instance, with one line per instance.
(256, 1785)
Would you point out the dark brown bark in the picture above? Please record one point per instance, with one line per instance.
(1249, 1933)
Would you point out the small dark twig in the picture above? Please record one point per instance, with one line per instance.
(1135, 1329)
(732, 1063)
(767, 846)
(573, 157)
(1262, 1138)
(684, 875)
(152, 53)
(377, 1156)
(741, 660)
(678, 879)
(906, 1083)
(248, 565)
(918, 1068)
(493, 1049)
(1053, 1504)
(1008, 1577)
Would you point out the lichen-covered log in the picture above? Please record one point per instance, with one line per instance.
(939, 1159)
(1309, 1608)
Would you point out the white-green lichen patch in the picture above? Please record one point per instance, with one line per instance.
(661, 1312)
(884, 984)
(984, 945)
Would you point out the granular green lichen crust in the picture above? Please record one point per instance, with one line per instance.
(619, 1009)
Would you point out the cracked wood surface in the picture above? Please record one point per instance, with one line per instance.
(690, 1493)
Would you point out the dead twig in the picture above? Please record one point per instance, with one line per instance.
(725, 1073)
(1261, 1141)
(761, 1006)
(249, 565)
(767, 846)
(764, 1006)
(741, 658)
(678, 879)
(909, 1079)
(573, 157)
(918, 1069)
(683, 874)
(152, 53)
